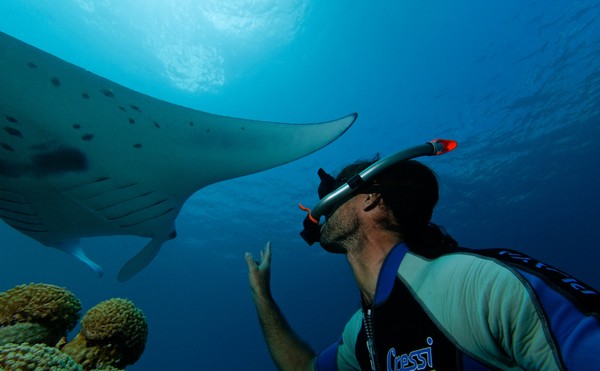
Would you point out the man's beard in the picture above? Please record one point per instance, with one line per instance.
(340, 232)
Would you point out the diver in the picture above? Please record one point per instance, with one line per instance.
(426, 302)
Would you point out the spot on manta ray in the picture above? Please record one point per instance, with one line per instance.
(81, 156)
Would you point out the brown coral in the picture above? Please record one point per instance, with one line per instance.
(113, 333)
(50, 308)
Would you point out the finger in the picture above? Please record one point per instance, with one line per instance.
(250, 261)
(267, 256)
(263, 253)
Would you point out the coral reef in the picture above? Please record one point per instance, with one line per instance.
(15, 357)
(113, 333)
(37, 313)
(36, 317)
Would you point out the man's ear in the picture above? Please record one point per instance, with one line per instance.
(371, 201)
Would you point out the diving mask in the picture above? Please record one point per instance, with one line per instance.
(333, 193)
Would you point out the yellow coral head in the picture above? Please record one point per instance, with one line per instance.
(113, 333)
(50, 307)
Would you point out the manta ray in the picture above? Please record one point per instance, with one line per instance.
(82, 156)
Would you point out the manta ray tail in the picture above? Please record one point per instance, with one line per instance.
(73, 248)
(141, 260)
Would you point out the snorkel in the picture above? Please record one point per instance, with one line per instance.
(329, 202)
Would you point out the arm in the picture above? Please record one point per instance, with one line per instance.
(288, 351)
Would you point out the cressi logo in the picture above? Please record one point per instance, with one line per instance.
(419, 359)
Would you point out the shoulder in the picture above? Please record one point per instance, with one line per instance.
(504, 270)
(480, 296)
(460, 289)
(477, 300)
(458, 271)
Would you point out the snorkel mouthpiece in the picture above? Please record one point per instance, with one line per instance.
(329, 201)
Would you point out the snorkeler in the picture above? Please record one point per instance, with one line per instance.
(426, 302)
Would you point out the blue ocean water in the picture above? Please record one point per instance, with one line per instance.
(516, 83)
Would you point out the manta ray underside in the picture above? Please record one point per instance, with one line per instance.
(82, 156)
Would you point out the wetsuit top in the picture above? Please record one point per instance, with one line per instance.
(471, 310)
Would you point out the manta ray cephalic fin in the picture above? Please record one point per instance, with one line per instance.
(140, 260)
(73, 248)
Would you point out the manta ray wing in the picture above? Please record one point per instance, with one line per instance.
(82, 156)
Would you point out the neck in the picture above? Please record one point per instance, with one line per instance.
(366, 262)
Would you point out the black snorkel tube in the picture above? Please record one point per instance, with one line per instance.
(312, 227)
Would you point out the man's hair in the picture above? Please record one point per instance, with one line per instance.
(410, 190)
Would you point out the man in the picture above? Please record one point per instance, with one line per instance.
(428, 304)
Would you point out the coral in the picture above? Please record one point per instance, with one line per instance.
(113, 333)
(23, 332)
(54, 309)
(15, 357)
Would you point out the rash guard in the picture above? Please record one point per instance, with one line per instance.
(471, 310)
